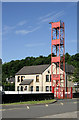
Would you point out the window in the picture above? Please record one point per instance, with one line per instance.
(31, 88)
(37, 88)
(50, 88)
(50, 78)
(18, 78)
(47, 88)
(22, 77)
(37, 78)
(21, 88)
(48, 71)
(47, 78)
(17, 88)
(25, 88)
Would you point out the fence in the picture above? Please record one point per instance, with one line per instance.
(10, 98)
(75, 92)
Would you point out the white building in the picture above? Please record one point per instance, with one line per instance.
(37, 78)
(1, 88)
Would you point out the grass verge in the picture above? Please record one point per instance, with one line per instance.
(32, 102)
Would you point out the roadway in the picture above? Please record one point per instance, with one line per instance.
(67, 108)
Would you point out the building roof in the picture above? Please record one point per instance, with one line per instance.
(69, 68)
(28, 70)
(39, 69)
(26, 82)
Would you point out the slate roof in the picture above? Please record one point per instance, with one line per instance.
(69, 68)
(39, 69)
(26, 82)
(28, 70)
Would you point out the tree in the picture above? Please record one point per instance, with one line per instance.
(12, 67)
(76, 75)
(67, 57)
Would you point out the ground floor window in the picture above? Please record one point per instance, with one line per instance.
(17, 88)
(25, 88)
(47, 88)
(18, 79)
(50, 88)
(21, 88)
(31, 88)
(37, 88)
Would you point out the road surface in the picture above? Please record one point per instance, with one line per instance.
(67, 108)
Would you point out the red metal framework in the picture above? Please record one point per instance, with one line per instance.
(63, 93)
(57, 58)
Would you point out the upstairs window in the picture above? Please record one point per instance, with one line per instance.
(18, 79)
(47, 78)
(48, 71)
(22, 78)
(50, 78)
(37, 78)
(17, 88)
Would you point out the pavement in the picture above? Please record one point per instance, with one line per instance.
(63, 115)
(67, 108)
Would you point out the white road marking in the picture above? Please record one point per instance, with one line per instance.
(2, 109)
(46, 105)
(75, 102)
(28, 107)
(62, 103)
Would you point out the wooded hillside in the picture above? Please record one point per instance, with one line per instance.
(11, 68)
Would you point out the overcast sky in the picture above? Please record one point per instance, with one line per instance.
(26, 29)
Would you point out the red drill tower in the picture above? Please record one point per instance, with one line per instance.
(57, 59)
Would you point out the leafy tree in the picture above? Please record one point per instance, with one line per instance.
(76, 75)
(12, 67)
(67, 57)
(8, 86)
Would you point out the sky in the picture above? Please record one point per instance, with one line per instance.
(78, 27)
(26, 30)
